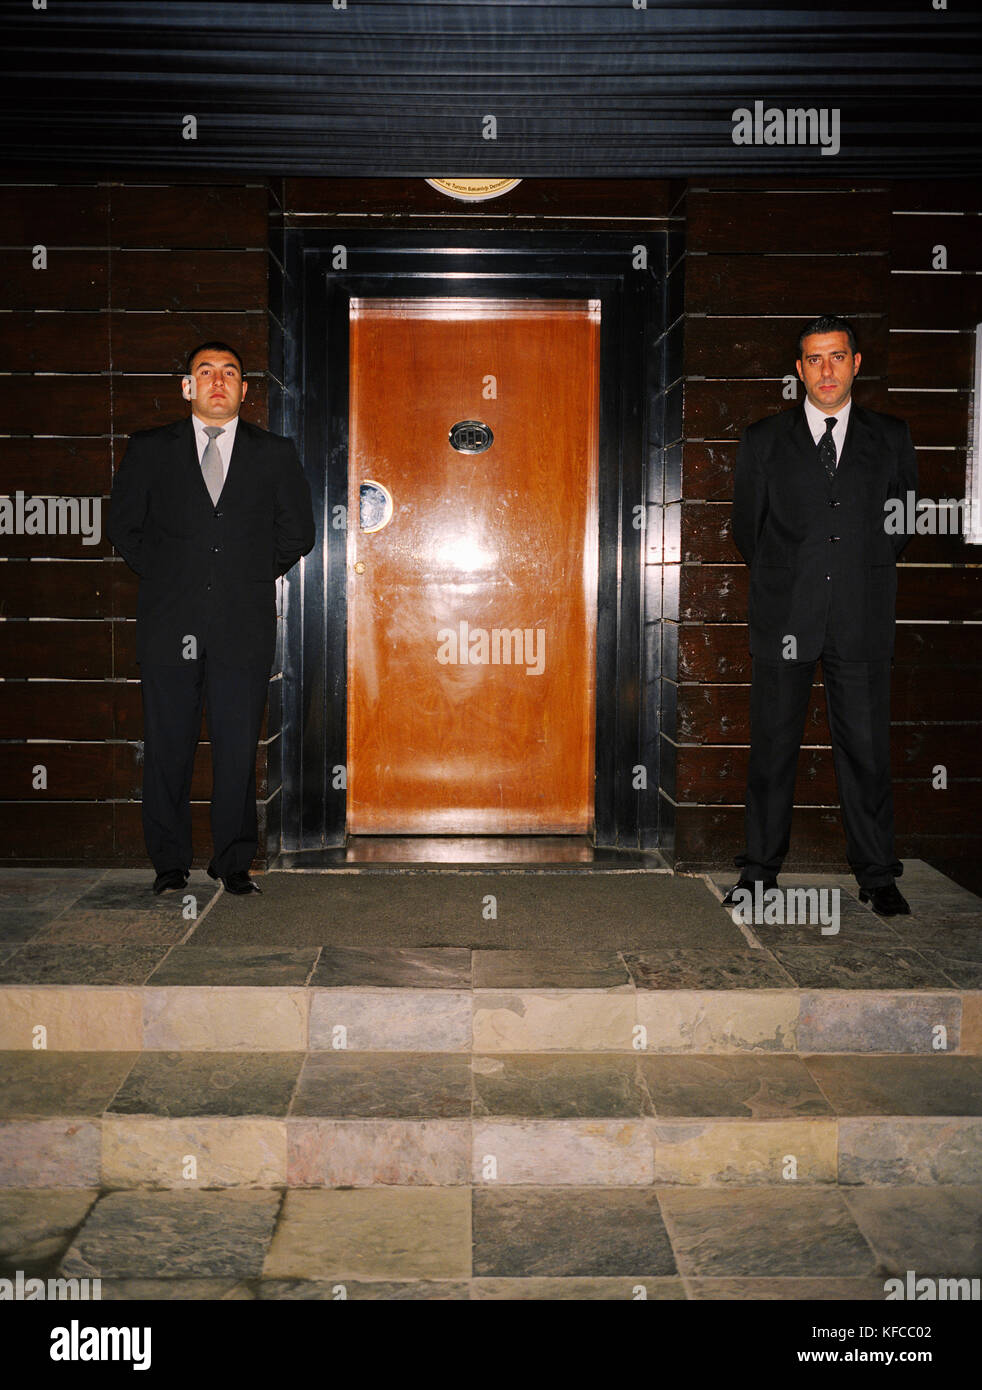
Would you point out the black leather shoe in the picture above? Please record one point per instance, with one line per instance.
(887, 900)
(748, 883)
(237, 882)
(170, 881)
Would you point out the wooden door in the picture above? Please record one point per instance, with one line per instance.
(472, 609)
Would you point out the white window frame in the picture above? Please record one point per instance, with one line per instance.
(973, 480)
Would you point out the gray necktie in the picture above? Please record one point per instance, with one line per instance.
(211, 464)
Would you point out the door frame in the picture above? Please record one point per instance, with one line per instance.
(322, 271)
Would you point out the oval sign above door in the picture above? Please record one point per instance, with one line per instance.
(471, 437)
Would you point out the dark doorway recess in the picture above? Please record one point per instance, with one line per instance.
(322, 272)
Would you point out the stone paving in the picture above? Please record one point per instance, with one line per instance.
(788, 1116)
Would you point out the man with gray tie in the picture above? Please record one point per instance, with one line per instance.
(209, 511)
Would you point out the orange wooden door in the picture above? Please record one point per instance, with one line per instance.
(472, 611)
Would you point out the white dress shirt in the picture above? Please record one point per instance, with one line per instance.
(816, 423)
(224, 441)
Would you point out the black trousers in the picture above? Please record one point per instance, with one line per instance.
(857, 698)
(234, 700)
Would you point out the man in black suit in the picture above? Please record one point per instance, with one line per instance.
(809, 511)
(209, 511)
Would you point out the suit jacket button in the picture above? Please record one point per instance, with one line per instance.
(833, 538)
(828, 576)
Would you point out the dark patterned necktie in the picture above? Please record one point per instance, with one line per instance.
(826, 448)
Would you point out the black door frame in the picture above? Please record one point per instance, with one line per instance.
(322, 271)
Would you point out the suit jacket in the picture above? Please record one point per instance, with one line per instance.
(819, 549)
(209, 571)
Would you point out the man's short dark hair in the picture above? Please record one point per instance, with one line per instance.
(213, 347)
(828, 323)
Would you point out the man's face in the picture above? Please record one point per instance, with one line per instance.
(827, 368)
(217, 388)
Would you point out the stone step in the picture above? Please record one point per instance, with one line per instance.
(534, 1242)
(624, 1018)
(348, 1119)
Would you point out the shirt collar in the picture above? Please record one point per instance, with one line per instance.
(816, 421)
(229, 428)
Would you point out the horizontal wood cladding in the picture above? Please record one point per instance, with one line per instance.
(935, 299)
(706, 538)
(71, 280)
(160, 342)
(913, 239)
(178, 265)
(783, 284)
(708, 836)
(100, 341)
(931, 361)
(719, 652)
(938, 419)
(80, 710)
(133, 215)
(56, 468)
(66, 649)
(145, 280)
(180, 217)
(708, 465)
(560, 198)
(721, 345)
(70, 709)
(96, 771)
(723, 409)
(936, 195)
(720, 714)
(801, 222)
(718, 774)
(139, 403)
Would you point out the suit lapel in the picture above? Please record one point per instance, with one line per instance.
(856, 440)
(195, 480)
(237, 464)
(801, 437)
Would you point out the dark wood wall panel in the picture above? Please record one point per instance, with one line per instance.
(57, 467)
(782, 284)
(767, 347)
(137, 273)
(55, 342)
(758, 264)
(708, 467)
(61, 709)
(60, 832)
(156, 342)
(71, 280)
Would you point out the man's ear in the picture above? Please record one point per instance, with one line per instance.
(188, 385)
(856, 359)
(245, 387)
(797, 367)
